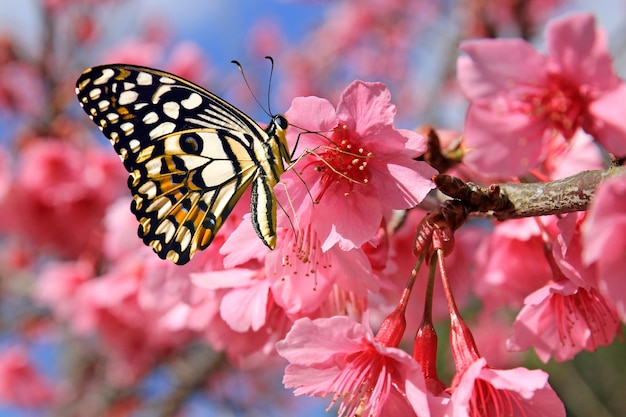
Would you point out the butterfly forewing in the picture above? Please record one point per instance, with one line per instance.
(190, 155)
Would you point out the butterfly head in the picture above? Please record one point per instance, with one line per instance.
(278, 128)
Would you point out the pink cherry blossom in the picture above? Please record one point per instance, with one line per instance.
(568, 314)
(61, 281)
(21, 84)
(479, 390)
(566, 158)
(520, 99)
(340, 357)
(604, 241)
(245, 302)
(504, 275)
(301, 276)
(303, 280)
(129, 324)
(482, 391)
(561, 319)
(20, 383)
(6, 179)
(60, 195)
(120, 238)
(359, 160)
(247, 341)
(491, 334)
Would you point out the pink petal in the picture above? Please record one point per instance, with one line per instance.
(582, 154)
(604, 239)
(246, 308)
(463, 391)
(424, 404)
(538, 398)
(492, 67)
(316, 342)
(521, 380)
(403, 182)
(604, 230)
(415, 144)
(353, 272)
(317, 380)
(231, 278)
(502, 144)
(243, 245)
(366, 108)
(384, 141)
(363, 223)
(579, 52)
(313, 114)
(610, 123)
(296, 290)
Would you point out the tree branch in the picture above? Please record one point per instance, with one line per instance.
(555, 197)
(513, 201)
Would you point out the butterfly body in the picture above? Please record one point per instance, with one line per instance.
(190, 155)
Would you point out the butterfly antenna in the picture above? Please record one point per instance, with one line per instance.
(245, 79)
(269, 85)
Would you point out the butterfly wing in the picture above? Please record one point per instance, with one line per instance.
(190, 154)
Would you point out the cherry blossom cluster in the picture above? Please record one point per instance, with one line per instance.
(369, 258)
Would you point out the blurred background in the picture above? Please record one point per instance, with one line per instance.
(319, 47)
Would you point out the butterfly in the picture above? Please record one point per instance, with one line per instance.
(190, 155)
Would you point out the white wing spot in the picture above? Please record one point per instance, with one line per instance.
(113, 117)
(107, 73)
(103, 105)
(162, 129)
(164, 209)
(150, 118)
(166, 227)
(149, 189)
(139, 106)
(171, 109)
(95, 93)
(167, 80)
(159, 92)
(184, 237)
(128, 128)
(134, 145)
(128, 97)
(191, 102)
(143, 78)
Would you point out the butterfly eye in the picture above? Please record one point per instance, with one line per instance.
(281, 122)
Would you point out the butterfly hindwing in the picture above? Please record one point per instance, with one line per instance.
(190, 154)
(181, 199)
